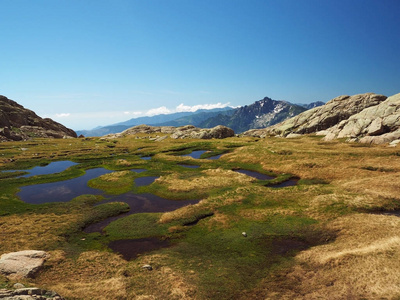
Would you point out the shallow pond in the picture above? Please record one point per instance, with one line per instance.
(142, 181)
(260, 176)
(195, 154)
(189, 166)
(130, 249)
(139, 203)
(138, 170)
(254, 174)
(51, 168)
(61, 191)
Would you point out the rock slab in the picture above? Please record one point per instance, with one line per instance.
(22, 263)
(29, 294)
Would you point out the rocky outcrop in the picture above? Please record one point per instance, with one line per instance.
(28, 294)
(183, 132)
(18, 123)
(22, 263)
(218, 132)
(322, 117)
(377, 124)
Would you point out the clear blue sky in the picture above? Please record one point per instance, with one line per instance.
(86, 63)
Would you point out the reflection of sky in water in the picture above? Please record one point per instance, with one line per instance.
(139, 203)
(142, 181)
(195, 154)
(61, 191)
(54, 167)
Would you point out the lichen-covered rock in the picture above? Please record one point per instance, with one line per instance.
(22, 263)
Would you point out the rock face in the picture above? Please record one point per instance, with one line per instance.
(183, 132)
(377, 124)
(23, 263)
(260, 114)
(19, 123)
(367, 118)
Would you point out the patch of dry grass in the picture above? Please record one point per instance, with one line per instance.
(33, 231)
(114, 176)
(212, 178)
(362, 263)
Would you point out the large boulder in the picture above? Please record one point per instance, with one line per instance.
(22, 263)
(378, 124)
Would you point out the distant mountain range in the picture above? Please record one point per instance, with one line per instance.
(260, 114)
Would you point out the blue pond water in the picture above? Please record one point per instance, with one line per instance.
(142, 181)
(189, 166)
(138, 170)
(260, 176)
(61, 191)
(254, 174)
(195, 154)
(52, 168)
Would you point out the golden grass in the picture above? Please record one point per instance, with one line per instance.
(362, 263)
(32, 231)
(212, 178)
(114, 176)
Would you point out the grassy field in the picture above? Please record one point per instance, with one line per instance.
(325, 238)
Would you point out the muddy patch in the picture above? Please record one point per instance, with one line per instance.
(130, 249)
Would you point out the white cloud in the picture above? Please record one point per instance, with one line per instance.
(181, 107)
(133, 113)
(63, 115)
(158, 111)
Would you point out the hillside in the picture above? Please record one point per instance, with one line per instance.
(260, 114)
(18, 123)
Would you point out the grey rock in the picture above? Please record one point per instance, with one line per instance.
(23, 263)
(147, 267)
(18, 286)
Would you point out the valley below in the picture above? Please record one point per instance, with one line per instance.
(144, 217)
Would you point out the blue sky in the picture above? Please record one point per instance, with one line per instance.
(86, 63)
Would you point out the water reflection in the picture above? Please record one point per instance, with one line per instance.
(139, 203)
(195, 154)
(51, 168)
(142, 181)
(61, 191)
